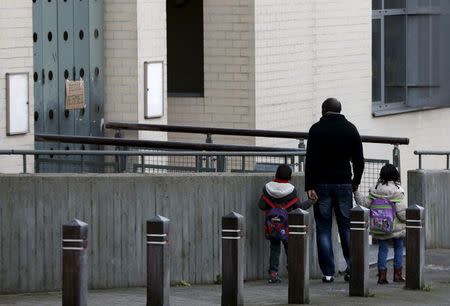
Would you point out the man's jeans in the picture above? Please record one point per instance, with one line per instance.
(383, 247)
(337, 197)
(275, 250)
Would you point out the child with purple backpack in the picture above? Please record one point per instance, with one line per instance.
(278, 198)
(387, 219)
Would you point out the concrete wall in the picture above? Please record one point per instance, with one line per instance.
(16, 55)
(116, 207)
(429, 188)
(229, 73)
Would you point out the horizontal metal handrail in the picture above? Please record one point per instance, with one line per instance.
(156, 144)
(433, 153)
(239, 132)
(149, 153)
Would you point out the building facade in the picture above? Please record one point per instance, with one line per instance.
(259, 64)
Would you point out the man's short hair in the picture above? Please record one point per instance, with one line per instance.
(331, 105)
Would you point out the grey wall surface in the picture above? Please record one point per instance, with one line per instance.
(430, 189)
(33, 208)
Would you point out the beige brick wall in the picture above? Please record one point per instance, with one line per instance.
(229, 73)
(135, 32)
(121, 67)
(16, 55)
(284, 67)
(151, 24)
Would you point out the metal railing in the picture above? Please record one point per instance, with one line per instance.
(145, 161)
(209, 131)
(433, 153)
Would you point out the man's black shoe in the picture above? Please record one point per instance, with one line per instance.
(327, 279)
(347, 277)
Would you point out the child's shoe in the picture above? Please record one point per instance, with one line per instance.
(382, 279)
(274, 278)
(398, 278)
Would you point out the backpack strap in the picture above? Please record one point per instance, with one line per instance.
(290, 203)
(268, 201)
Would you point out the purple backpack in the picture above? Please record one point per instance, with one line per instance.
(382, 215)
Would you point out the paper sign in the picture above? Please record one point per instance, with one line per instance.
(75, 94)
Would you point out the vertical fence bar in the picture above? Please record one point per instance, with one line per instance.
(396, 158)
(359, 251)
(24, 163)
(415, 247)
(142, 164)
(301, 158)
(74, 263)
(232, 259)
(420, 161)
(158, 261)
(298, 257)
(448, 161)
(37, 164)
(82, 162)
(243, 163)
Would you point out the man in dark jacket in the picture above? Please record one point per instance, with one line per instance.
(333, 143)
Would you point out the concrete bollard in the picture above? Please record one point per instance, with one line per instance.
(232, 259)
(75, 263)
(158, 262)
(359, 251)
(298, 257)
(415, 247)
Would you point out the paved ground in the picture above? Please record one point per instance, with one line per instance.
(260, 293)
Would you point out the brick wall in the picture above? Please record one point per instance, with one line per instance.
(284, 60)
(229, 73)
(121, 67)
(16, 55)
(135, 32)
(151, 22)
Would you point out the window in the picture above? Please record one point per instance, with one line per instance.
(185, 72)
(410, 62)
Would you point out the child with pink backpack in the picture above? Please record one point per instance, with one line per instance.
(387, 219)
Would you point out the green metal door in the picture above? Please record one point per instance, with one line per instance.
(68, 44)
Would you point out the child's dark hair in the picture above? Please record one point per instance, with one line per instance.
(389, 174)
(284, 172)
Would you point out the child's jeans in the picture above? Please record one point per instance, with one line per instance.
(383, 247)
(275, 250)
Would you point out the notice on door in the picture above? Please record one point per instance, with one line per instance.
(75, 98)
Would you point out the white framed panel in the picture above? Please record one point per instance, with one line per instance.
(17, 102)
(153, 89)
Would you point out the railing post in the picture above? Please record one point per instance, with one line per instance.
(232, 259)
(221, 163)
(209, 138)
(448, 161)
(298, 257)
(24, 162)
(396, 157)
(415, 247)
(142, 164)
(158, 261)
(420, 161)
(301, 158)
(359, 251)
(74, 263)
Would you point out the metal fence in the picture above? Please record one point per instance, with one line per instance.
(152, 161)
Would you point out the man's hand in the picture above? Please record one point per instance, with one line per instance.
(312, 195)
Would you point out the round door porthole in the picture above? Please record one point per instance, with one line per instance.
(66, 113)
(36, 116)
(50, 114)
